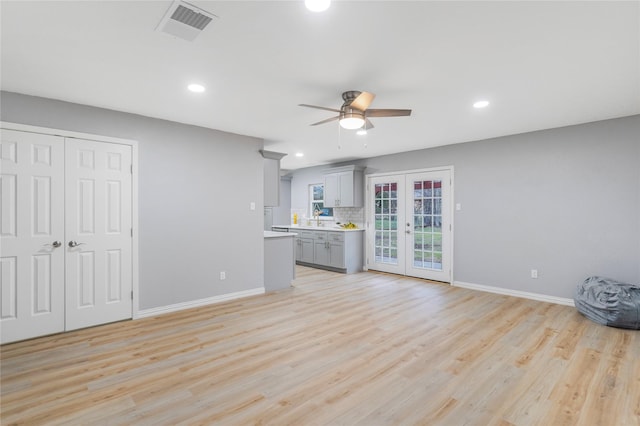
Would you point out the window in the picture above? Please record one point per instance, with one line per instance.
(316, 198)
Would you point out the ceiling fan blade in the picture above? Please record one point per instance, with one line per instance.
(363, 101)
(319, 107)
(368, 124)
(387, 112)
(325, 121)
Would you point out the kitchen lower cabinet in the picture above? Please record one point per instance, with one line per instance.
(304, 246)
(321, 248)
(333, 250)
(336, 255)
(329, 250)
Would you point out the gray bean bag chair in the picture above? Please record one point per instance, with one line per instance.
(609, 302)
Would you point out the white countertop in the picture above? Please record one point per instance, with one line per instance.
(332, 228)
(272, 234)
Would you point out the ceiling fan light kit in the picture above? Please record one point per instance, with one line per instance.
(351, 119)
(354, 112)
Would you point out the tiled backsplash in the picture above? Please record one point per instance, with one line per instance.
(340, 214)
(349, 214)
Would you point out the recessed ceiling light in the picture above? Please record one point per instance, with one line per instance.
(481, 104)
(196, 88)
(299, 154)
(361, 132)
(317, 5)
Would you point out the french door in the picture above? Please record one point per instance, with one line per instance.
(409, 228)
(65, 222)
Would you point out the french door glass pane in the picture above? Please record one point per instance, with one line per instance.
(386, 223)
(427, 224)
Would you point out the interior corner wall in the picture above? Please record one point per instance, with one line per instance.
(564, 201)
(195, 188)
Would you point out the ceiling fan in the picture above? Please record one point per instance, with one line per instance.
(354, 112)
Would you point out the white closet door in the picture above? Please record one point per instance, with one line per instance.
(32, 235)
(98, 229)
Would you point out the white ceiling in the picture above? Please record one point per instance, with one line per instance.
(541, 65)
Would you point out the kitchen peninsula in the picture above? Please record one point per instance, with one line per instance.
(332, 248)
(279, 260)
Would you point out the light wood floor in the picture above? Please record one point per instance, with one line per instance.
(362, 349)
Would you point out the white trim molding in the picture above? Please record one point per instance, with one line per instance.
(143, 313)
(516, 293)
(64, 133)
(405, 172)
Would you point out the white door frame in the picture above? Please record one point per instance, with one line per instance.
(134, 188)
(368, 208)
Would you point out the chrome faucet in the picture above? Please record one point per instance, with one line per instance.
(316, 214)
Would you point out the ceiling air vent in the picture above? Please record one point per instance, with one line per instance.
(184, 20)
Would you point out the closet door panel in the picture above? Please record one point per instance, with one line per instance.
(99, 220)
(31, 235)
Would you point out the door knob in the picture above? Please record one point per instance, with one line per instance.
(74, 244)
(56, 244)
(408, 231)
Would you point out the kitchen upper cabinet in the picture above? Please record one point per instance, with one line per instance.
(271, 177)
(343, 187)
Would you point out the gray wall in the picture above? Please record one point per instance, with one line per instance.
(564, 201)
(195, 189)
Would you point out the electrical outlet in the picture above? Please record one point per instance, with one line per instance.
(223, 275)
(534, 273)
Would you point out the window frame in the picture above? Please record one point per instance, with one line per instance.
(311, 202)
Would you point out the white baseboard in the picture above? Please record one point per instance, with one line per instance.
(197, 303)
(515, 293)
